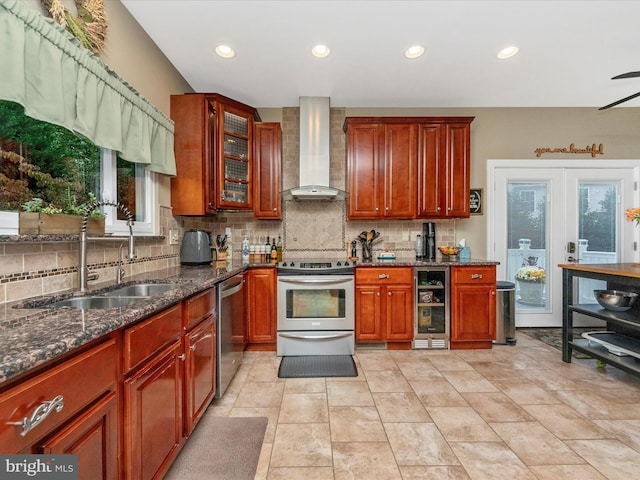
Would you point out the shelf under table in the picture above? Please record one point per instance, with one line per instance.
(595, 350)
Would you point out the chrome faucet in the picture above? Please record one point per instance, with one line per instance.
(121, 272)
(84, 273)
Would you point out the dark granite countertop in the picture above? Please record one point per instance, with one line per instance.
(31, 337)
(436, 263)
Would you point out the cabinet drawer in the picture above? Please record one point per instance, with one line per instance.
(78, 381)
(384, 275)
(199, 307)
(144, 339)
(484, 275)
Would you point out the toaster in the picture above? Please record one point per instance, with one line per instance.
(196, 248)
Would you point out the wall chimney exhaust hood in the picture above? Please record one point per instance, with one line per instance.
(314, 153)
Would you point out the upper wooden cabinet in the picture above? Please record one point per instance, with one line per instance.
(381, 164)
(408, 167)
(267, 203)
(213, 144)
(444, 168)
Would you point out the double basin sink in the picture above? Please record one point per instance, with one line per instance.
(120, 297)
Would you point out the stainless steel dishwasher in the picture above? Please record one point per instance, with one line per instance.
(231, 340)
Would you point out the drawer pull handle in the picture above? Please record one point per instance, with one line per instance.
(476, 275)
(40, 414)
(383, 275)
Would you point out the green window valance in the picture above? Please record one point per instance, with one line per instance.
(57, 80)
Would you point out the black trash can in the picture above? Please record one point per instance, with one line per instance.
(505, 313)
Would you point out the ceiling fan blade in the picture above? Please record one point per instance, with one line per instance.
(620, 101)
(626, 75)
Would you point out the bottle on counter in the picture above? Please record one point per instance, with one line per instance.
(419, 246)
(273, 251)
(245, 250)
(252, 254)
(279, 248)
(263, 254)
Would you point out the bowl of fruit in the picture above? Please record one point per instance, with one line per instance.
(449, 253)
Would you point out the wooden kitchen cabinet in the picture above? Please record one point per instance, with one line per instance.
(261, 308)
(200, 371)
(268, 180)
(473, 307)
(384, 305)
(200, 356)
(381, 168)
(444, 168)
(92, 437)
(213, 143)
(153, 394)
(78, 412)
(153, 415)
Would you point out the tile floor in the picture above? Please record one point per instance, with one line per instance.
(512, 412)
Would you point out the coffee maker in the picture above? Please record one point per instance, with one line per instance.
(429, 240)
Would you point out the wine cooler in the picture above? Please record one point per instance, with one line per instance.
(431, 323)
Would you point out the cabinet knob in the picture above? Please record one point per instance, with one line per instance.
(192, 348)
(389, 294)
(275, 209)
(476, 275)
(182, 357)
(493, 292)
(378, 294)
(438, 209)
(387, 208)
(383, 275)
(377, 209)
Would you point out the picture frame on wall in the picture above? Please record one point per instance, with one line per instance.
(475, 201)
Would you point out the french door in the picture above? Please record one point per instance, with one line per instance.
(558, 212)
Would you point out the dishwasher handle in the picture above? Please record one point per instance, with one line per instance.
(230, 288)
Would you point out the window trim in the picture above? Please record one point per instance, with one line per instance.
(146, 227)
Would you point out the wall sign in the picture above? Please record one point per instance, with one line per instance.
(475, 201)
(591, 149)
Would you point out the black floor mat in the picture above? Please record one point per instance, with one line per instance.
(317, 366)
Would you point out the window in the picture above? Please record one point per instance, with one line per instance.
(42, 160)
(528, 199)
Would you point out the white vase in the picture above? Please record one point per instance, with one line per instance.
(531, 293)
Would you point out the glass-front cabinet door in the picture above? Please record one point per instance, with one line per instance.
(431, 328)
(236, 157)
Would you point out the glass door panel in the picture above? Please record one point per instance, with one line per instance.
(527, 242)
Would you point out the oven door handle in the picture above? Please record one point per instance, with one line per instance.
(317, 281)
(315, 337)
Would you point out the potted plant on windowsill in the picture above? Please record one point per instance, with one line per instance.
(531, 283)
(40, 218)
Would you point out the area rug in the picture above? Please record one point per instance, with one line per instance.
(553, 336)
(317, 366)
(221, 448)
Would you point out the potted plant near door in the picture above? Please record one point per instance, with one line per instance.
(531, 282)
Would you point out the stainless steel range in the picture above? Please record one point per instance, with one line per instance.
(316, 314)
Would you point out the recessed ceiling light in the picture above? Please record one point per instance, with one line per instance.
(225, 51)
(414, 52)
(507, 52)
(320, 51)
